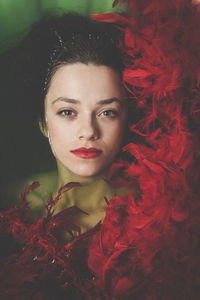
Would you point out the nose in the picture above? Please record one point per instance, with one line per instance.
(88, 129)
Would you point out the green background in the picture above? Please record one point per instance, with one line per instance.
(16, 16)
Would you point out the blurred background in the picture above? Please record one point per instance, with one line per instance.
(16, 16)
(24, 151)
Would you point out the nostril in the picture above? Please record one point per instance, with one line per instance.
(89, 130)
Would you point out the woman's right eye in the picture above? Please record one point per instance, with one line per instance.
(66, 113)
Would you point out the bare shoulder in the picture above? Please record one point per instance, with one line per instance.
(10, 192)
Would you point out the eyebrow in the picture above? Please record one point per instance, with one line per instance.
(101, 102)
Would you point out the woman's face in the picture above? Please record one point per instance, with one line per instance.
(85, 116)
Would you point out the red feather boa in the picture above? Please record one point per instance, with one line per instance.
(147, 247)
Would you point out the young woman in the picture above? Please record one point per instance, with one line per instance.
(83, 114)
(84, 120)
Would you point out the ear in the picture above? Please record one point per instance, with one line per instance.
(43, 128)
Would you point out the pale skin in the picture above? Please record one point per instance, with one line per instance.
(84, 107)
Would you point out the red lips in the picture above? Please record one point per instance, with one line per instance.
(87, 152)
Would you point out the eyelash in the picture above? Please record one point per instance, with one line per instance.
(109, 113)
(64, 114)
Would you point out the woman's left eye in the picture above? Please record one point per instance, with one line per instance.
(110, 113)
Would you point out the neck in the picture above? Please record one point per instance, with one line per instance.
(89, 196)
(65, 176)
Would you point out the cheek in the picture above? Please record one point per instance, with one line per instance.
(59, 135)
(54, 131)
(114, 134)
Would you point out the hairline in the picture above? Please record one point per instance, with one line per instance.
(61, 64)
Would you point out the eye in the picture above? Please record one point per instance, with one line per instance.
(110, 113)
(67, 113)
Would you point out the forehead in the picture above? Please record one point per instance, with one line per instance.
(85, 81)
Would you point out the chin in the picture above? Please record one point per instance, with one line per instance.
(87, 171)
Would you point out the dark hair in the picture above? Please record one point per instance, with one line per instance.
(66, 39)
(83, 40)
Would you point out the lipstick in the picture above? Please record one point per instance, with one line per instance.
(87, 153)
